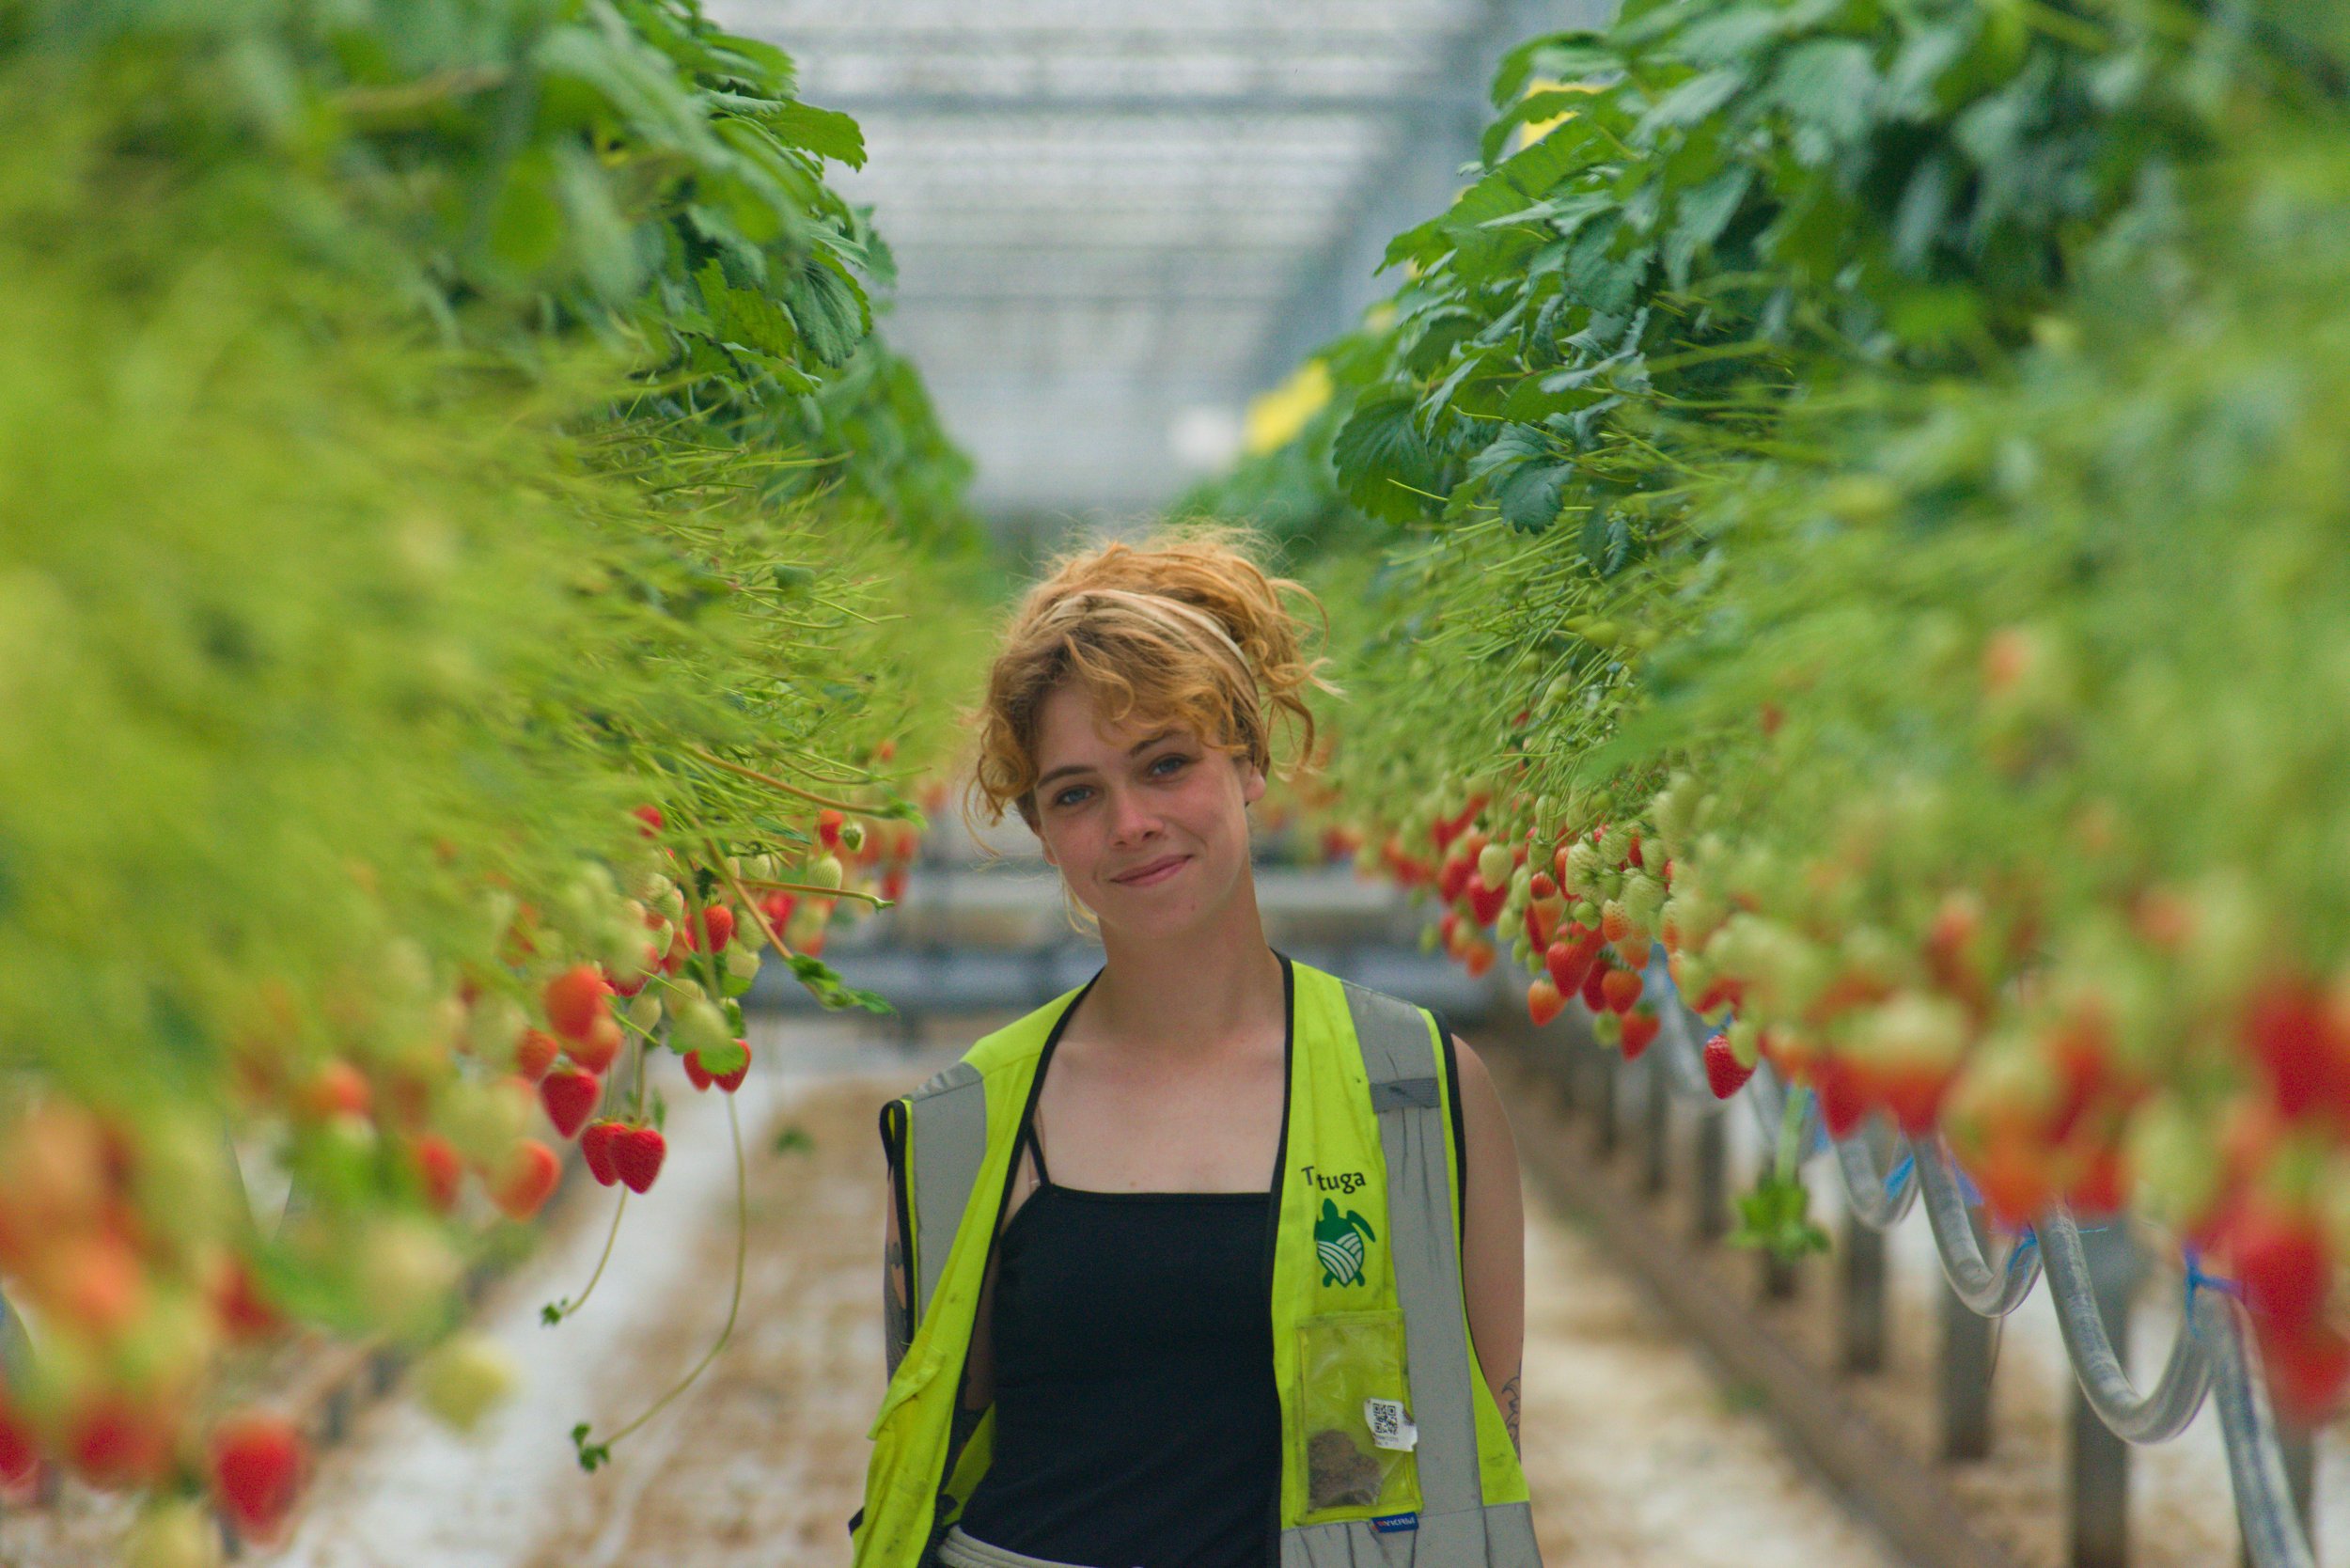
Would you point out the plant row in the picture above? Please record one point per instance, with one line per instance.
(1863, 487)
(455, 523)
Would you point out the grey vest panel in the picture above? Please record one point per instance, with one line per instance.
(1399, 1055)
(950, 1138)
(1500, 1536)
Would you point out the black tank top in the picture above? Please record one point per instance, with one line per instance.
(1136, 1423)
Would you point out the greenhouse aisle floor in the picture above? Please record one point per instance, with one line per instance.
(1635, 1455)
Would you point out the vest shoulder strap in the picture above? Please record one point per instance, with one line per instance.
(1405, 1061)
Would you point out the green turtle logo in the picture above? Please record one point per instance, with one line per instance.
(1338, 1241)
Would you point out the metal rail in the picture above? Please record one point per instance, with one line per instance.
(2215, 1351)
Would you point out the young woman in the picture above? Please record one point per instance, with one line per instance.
(1216, 1262)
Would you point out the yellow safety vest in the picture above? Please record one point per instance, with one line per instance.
(1393, 1451)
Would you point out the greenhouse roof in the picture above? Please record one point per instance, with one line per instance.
(1117, 223)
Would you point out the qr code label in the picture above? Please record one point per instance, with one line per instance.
(1390, 1428)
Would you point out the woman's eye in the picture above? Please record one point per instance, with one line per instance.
(1069, 796)
(1161, 767)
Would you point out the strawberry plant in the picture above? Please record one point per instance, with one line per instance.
(1861, 477)
(455, 524)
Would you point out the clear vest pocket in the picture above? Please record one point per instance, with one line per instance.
(1353, 1406)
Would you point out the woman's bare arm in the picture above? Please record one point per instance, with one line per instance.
(1493, 1235)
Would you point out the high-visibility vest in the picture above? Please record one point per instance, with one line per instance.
(1393, 1451)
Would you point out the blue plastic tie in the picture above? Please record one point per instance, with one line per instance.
(2196, 1278)
(1902, 1167)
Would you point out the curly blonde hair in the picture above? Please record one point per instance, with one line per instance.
(1183, 629)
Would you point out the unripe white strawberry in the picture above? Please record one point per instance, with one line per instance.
(467, 1375)
(741, 961)
(1583, 868)
(644, 1008)
(405, 1272)
(853, 836)
(698, 1023)
(1643, 900)
(1493, 864)
(2175, 1160)
(1522, 953)
(1745, 1040)
(172, 1532)
(1615, 842)
(826, 870)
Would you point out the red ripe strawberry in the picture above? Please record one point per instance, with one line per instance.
(1914, 1093)
(1843, 1095)
(1569, 963)
(1638, 1029)
(2012, 1172)
(2286, 1030)
(1543, 1001)
(256, 1471)
(1621, 988)
(1541, 885)
(2307, 1371)
(595, 1147)
(440, 1169)
(576, 999)
(2281, 1260)
(1452, 880)
(118, 1444)
(2103, 1185)
(636, 1154)
(1615, 926)
(1595, 989)
(600, 1045)
(696, 1072)
(1448, 930)
(1485, 902)
(828, 823)
(340, 1090)
(569, 1095)
(709, 930)
(729, 1082)
(528, 1180)
(651, 816)
(777, 907)
(1632, 855)
(1535, 928)
(237, 1303)
(1723, 1070)
(1724, 992)
(534, 1053)
(20, 1456)
(1480, 958)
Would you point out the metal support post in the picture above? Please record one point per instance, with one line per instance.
(1710, 1201)
(1861, 1316)
(1603, 1086)
(1966, 1379)
(1656, 1148)
(2100, 1482)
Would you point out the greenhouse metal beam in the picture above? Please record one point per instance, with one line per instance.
(1249, 105)
(1413, 181)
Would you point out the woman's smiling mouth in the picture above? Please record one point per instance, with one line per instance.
(1157, 871)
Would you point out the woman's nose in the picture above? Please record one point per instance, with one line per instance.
(1131, 816)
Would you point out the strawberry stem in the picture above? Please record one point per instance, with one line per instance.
(556, 1312)
(775, 783)
(593, 1454)
(821, 892)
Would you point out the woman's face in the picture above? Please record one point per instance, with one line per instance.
(1147, 825)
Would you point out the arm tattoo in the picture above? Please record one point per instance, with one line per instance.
(897, 1332)
(1509, 1409)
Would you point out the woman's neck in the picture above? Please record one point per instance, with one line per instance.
(1212, 988)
